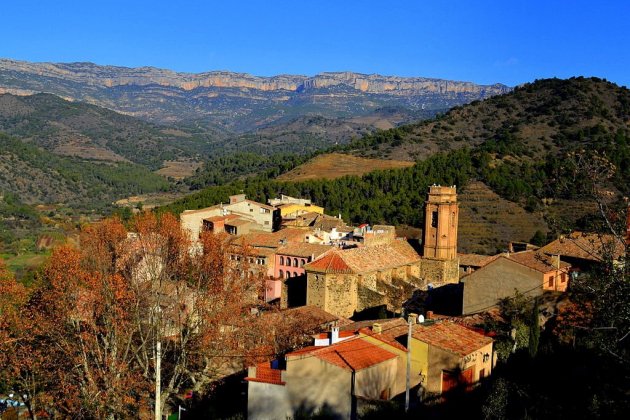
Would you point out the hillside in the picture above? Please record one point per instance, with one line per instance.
(90, 132)
(38, 176)
(234, 102)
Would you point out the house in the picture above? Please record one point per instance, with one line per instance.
(345, 281)
(332, 378)
(585, 250)
(251, 216)
(529, 272)
(444, 354)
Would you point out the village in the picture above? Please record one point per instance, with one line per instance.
(389, 318)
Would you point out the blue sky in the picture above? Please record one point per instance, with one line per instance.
(505, 41)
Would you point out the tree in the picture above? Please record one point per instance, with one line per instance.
(102, 309)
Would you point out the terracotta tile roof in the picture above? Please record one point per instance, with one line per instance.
(221, 218)
(476, 260)
(353, 354)
(304, 249)
(304, 318)
(586, 246)
(239, 222)
(331, 262)
(536, 260)
(366, 259)
(449, 336)
(391, 331)
(265, 373)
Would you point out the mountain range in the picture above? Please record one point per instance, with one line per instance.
(228, 103)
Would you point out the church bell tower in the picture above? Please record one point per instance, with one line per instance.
(440, 264)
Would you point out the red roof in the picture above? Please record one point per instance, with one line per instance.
(353, 354)
(331, 263)
(451, 337)
(265, 373)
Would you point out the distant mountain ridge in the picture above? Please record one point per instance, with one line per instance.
(235, 102)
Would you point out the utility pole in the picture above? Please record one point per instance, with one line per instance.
(408, 366)
(158, 379)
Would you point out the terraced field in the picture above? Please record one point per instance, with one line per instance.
(488, 222)
(336, 165)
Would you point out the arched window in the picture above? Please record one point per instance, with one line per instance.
(294, 274)
(302, 262)
(281, 260)
(295, 262)
(287, 275)
(281, 273)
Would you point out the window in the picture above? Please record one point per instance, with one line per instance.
(281, 260)
(453, 219)
(251, 210)
(434, 219)
(266, 222)
(287, 275)
(482, 373)
(563, 277)
(294, 274)
(281, 274)
(295, 262)
(551, 281)
(302, 262)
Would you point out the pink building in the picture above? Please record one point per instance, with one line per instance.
(290, 259)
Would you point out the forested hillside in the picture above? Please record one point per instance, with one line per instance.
(87, 131)
(38, 176)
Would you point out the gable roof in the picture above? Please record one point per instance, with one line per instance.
(537, 261)
(273, 239)
(366, 259)
(352, 354)
(585, 246)
(391, 331)
(476, 260)
(450, 336)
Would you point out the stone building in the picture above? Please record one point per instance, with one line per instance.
(346, 281)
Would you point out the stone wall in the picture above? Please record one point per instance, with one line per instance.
(439, 272)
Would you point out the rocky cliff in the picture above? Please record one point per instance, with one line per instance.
(222, 97)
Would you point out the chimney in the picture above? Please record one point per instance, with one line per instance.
(412, 318)
(334, 335)
(429, 315)
(377, 328)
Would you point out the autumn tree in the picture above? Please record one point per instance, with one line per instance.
(103, 310)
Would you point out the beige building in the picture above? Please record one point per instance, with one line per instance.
(529, 272)
(251, 216)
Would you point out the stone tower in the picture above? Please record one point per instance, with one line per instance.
(440, 223)
(440, 263)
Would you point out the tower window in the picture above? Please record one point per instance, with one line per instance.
(434, 219)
